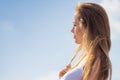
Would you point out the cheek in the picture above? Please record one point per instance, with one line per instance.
(79, 32)
(79, 36)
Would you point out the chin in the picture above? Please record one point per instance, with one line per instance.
(77, 42)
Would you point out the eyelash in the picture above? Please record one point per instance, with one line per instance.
(74, 25)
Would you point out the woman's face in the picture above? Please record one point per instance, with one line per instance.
(77, 30)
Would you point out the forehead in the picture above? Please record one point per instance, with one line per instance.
(75, 20)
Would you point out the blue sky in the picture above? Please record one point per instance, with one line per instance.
(36, 42)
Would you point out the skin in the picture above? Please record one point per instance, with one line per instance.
(77, 31)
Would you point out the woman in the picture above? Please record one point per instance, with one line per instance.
(92, 32)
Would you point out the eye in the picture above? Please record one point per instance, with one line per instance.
(74, 25)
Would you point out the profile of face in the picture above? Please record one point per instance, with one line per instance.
(77, 30)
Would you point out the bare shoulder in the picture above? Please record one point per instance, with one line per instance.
(95, 69)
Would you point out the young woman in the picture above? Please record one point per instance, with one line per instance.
(92, 32)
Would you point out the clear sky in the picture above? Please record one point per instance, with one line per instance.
(35, 38)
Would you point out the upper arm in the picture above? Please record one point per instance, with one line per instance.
(95, 70)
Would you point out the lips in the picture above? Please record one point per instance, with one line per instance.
(74, 36)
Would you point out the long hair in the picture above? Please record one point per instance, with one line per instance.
(96, 39)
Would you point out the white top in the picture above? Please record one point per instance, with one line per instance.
(76, 73)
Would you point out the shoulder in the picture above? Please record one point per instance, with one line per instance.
(95, 69)
(74, 74)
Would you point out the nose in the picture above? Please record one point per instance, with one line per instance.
(72, 30)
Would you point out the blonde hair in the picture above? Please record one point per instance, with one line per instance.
(96, 39)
